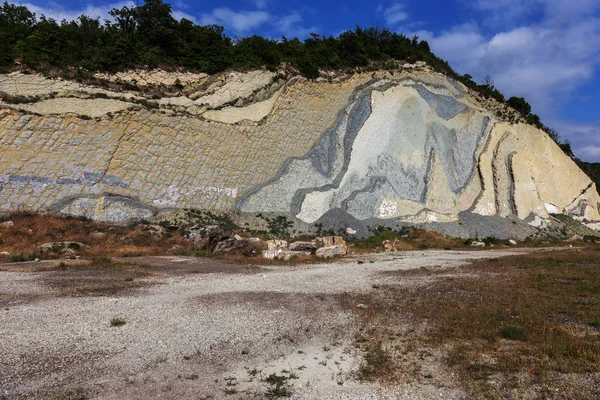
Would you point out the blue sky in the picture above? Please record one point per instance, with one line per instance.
(545, 50)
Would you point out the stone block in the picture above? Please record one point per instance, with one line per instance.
(330, 251)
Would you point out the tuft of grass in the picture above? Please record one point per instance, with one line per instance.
(513, 333)
(376, 362)
(116, 321)
(17, 258)
(279, 385)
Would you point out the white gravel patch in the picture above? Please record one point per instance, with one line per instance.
(191, 336)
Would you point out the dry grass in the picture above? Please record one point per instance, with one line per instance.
(32, 230)
(406, 240)
(505, 326)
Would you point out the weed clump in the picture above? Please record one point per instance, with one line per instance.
(116, 322)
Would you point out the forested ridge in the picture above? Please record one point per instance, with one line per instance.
(148, 36)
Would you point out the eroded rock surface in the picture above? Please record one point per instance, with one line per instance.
(411, 146)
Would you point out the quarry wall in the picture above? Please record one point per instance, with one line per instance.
(409, 145)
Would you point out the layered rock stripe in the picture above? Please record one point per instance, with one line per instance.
(413, 146)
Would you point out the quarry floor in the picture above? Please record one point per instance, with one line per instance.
(203, 329)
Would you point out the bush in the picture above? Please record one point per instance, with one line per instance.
(17, 258)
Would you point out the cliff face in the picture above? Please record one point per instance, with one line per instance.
(410, 146)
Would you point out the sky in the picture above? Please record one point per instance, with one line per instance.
(547, 51)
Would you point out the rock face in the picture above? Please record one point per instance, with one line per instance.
(407, 146)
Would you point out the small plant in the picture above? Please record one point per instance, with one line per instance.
(17, 258)
(375, 360)
(278, 226)
(595, 323)
(513, 333)
(116, 321)
(490, 240)
(279, 386)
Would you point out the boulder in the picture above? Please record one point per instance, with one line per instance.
(7, 224)
(351, 231)
(395, 245)
(477, 243)
(512, 242)
(4, 254)
(217, 235)
(575, 238)
(66, 248)
(310, 247)
(272, 254)
(330, 251)
(331, 241)
(98, 235)
(277, 244)
(231, 245)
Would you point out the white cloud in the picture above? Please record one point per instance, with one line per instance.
(290, 26)
(239, 22)
(510, 13)
(394, 14)
(179, 15)
(58, 12)
(584, 137)
(541, 63)
(285, 23)
(588, 153)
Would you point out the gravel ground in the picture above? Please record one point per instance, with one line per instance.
(205, 335)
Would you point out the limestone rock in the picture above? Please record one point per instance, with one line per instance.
(512, 242)
(4, 254)
(272, 254)
(408, 145)
(66, 248)
(231, 245)
(333, 241)
(330, 251)
(477, 243)
(277, 244)
(98, 235)
(395, 245)
(310, 247)
(7, 224)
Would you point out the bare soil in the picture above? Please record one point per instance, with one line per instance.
(196, 328)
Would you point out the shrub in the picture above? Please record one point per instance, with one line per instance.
(17, 258)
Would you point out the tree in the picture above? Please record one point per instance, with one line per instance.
(554, 135)
(566, 148)
(16, 23)
(488, 81)
(520, 105)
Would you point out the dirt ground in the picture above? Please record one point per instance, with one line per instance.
(192, 328)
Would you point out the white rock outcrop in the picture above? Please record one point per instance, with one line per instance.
(410, 146)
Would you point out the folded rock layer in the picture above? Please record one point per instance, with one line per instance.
(410, 146)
